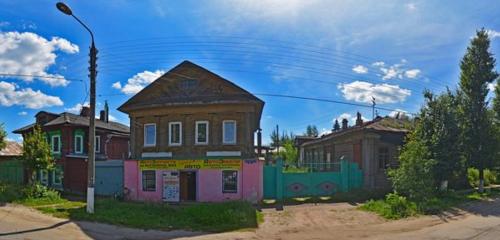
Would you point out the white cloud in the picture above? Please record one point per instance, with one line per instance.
(396, 111)
(396, 71)
(412, 73)
(4, 24)
(493, 34)
(411, 6)
(360, 91)
(344, 115)
(117, 85)
(112, 118)
(360, 69)
(30, 54)
(138, 81)
(491, 86)
(10, 95)
(23, 113)
(77, 108)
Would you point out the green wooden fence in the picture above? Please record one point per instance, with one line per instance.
(12, 171)
(279, 185)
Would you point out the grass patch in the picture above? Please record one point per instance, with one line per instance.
(396, 207)
(209, 217)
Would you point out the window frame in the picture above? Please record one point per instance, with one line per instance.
(54, 176)
(145, 187)
(170, 124)
(145, 133)
(97, 144)
(58, 143)
(224, 132)
(224, 190)
(386, 157)
(81, 143)
(44, 181)
(206, 132)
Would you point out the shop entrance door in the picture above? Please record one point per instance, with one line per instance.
(188, 186)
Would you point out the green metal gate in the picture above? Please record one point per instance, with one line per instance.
(279, 185)
(12, 171)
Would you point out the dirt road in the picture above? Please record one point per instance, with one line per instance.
(324, 221)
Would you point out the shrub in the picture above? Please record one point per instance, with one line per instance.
(393, 206)
(473, 177)
(37, 190)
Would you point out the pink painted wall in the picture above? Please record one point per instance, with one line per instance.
(209, 183)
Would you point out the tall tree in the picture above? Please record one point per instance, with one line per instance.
(312, 131)
(441, 135)
(477, 70)
(36, 151)
(496, 103)
(3, 137)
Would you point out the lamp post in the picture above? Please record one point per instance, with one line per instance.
(93, 73)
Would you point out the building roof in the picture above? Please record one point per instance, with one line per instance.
(189, 84)
(13, 149)
(379, 124)
(66, 118)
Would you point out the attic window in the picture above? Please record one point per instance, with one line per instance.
(188, 84)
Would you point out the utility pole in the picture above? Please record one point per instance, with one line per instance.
(373, 108)
(93, 74)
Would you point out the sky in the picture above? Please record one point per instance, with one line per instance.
(344, 51)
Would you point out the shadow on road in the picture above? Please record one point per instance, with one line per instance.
(35, 229)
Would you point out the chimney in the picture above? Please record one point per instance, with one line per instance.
(106, 111)
(359, 120)
(85, 112)
(102, 115)
(344, 123)
(336, 125)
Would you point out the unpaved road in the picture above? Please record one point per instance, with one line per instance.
(323, 221)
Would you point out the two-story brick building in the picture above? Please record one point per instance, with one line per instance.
(192, 139)
(67, 134)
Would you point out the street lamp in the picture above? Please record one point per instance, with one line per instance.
(93, 73)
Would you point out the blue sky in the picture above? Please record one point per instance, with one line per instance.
(340, 50)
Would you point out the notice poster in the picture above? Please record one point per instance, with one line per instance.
(171, 186)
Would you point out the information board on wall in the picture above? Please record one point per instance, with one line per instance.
(229, 164)
(171, 186)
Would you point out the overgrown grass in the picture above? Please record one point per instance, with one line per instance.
(396, 207)
(208, 217)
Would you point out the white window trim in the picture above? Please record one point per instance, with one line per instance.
(145, 139)
(196, 133)
(58, 145)
(97, 146)
(170, 143)
(81, 144)
(54, 178)
(224, 132)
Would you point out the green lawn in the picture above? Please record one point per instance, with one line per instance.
(207, 217)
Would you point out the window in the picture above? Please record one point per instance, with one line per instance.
(78, 144)
(229, 132)
(175, 133)
(383, 157)
(56, 144)
(57, 175)
(201, 132)
(44, 177)
(97, 144)
(150, 134)
(149, 180)
(229, 181)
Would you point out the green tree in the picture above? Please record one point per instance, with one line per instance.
(289, 153)
(440, 133)
(3, 137)
(414, 177)
(477, 70)
(496, 103)
(36, 151)
(312, 131)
